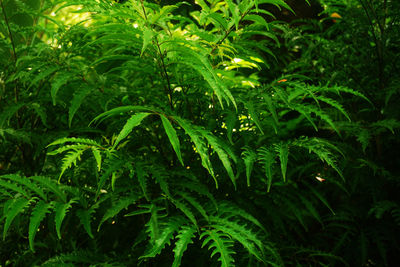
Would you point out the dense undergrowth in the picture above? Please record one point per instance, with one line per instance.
(169, 133)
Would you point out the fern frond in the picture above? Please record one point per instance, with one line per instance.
(25, 181)
(222, 152)
(16, 207)
(85, 216)
(185, 210)
(131, 123)
(76, 102)
(283, 151)
(219, 243)
(37, 216)
(249, 158)
(173, 138)
(61, 210)
(116, 208)
(201, 148)
(267, 158)
(166, 234)
(319, 147)
(230, 210)
(50, 185)
(60, 79)
(69, 160)
(196, 204)
(184, 238)
(119, 110)
(242, 234)
(201, 190)
(75, 140)
(97, 156)
(141, 175)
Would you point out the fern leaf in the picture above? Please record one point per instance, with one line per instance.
(173, 138)
(254, 116)
(249, 157)
(221, 150)
(40, 112)
(69, 160)
(185, 210)
(37, 216)
(320, 198)
(200, 146)
(141, 175)
(230, 210)
(283, 152)
(16, 207)
(166, 234)
(51, 186)
(319, 148)
(194, 203)
(117, 111)
(334, 104)
(184, 238)
(242, 234)
(97, 157)
(131, 123)
(147, 36)
(65, 148)
(219, 243)
(76, 102)
(74, 140)
(201, 190)
(116, 208)
(25, 181)
(114, 166)
(43, 74)
(59, 80)
(14, 188)
(268, 159)
(61, 210)
(153, 225)
(230, 124)
(84, 216)
(271, 108)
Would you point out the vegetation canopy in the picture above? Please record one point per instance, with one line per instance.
(199, 133)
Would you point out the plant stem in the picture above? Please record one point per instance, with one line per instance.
(9, 31)
(164, 69)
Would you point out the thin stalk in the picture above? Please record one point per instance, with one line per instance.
(164, 69)
(9, 31)
(169, 93)
(378, 45)
(227, 32)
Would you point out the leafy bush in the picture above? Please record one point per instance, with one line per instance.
(157, 133)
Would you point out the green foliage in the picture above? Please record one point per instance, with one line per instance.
(198, 133)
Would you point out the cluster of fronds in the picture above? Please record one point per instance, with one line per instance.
(148, 133)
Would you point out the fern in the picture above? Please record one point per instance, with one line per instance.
(128, 127)
(238, 96)
(173, 138)
(70, 159)
(268, 159)
(61, 210)
(16, 207)
(117, 208)
(219, 243)
(184, 238)
(164, 238)
(37, 216)
(249, 158)
(84, 216)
